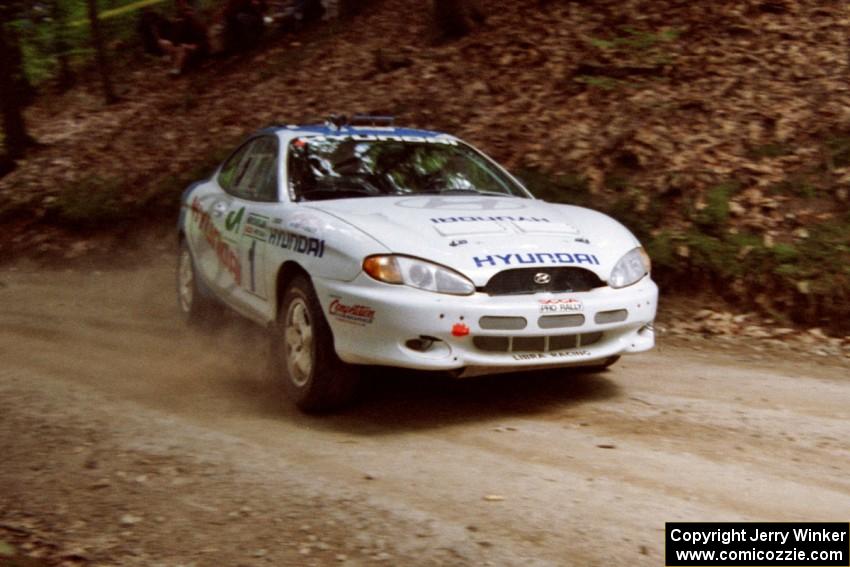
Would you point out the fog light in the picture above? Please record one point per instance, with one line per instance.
(423, 343)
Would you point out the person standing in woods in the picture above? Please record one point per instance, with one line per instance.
(243, 24)
(188, 43)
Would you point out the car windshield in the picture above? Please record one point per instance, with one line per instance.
(336, 167)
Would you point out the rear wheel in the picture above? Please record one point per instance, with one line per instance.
(314, 377)
(194, 306)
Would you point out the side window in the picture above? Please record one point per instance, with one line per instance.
(251, 173)
(301, 179)
(228, 170)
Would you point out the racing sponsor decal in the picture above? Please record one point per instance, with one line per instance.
(305, 223)
(494, 218)
(234, 219)
(534, 258)
(383, 138)
(570, 305)
(255, 227)
(223, 251)
(357, 314)
(297, 243)
(555, 354)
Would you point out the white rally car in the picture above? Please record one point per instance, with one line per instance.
(357, 243)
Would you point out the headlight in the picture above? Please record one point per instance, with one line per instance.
(417, 273)
(630, 268)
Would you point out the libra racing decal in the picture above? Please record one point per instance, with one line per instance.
(495, 260)
(549, 355)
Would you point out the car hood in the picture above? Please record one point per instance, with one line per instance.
(482, 235)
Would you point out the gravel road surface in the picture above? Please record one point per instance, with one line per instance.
(127, 439)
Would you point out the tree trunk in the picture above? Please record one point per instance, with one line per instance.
(456, 18)
(61, 47)
(450, 19)
(100, 54)
(16, 139)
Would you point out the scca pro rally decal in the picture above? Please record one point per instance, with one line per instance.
(297, 243)
(225, 254)
(559, 305)
(357, 314)
(529, 258)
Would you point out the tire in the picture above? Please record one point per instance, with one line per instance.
(314, 377)
(195, 308)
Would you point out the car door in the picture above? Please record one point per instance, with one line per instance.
(221, 220)
(213, 245)
(254, 191)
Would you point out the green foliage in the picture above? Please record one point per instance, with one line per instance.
(637, 212)
(799, 185)
(39, 32)
(642, 47)
(715, 215)
(771, 150)
(662, 249)
(600, 81)
(569, 188)
(6, 549)
(808, 278)
(785, 253)
(838, 148)
(635, 39)
(97, 203)
(91, 203)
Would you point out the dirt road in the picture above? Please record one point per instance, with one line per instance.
(128, 440)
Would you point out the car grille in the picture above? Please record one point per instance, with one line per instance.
(535, 344)
(561, 280)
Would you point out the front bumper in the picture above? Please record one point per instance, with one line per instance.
(378, 323)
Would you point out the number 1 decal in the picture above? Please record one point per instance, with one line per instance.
(251, 254)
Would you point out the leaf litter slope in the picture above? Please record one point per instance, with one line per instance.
(683, 93)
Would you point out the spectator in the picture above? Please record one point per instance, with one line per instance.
(152, 27)
(243, 24)
(188, 43)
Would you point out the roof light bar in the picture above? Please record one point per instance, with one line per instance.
(341, 120)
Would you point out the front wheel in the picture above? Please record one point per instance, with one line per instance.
(302, 347)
